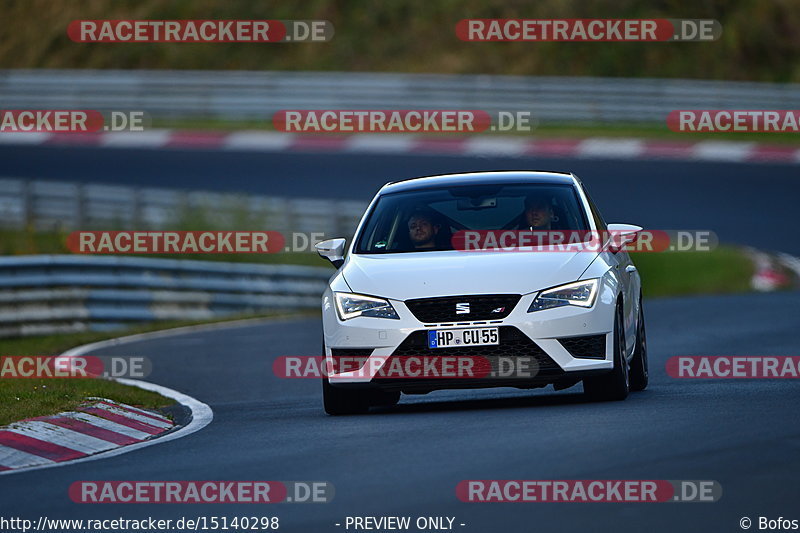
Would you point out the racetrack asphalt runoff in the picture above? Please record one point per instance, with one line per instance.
(407, 460)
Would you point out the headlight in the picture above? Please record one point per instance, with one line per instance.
(580, 293)
(353, 305)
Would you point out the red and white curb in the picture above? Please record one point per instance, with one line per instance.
(201, 414)
(773, 272)
(95, 427)
(477, 145)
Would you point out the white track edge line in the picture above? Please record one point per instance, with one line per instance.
(202, 415)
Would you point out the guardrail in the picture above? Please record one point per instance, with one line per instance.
(44, 294)
(253, 95)
(48, 205)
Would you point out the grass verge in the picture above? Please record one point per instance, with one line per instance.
(27, 398)
(725, 269)
(31, 242)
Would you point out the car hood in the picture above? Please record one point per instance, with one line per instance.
(403, 276)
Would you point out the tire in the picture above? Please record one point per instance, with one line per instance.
(386, 399)
(339, 402)
(613, 386)
(639, 371)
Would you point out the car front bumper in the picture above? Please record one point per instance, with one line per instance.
(545, 335)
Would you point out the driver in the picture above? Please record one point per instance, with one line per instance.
(538, 214)
(422, 229)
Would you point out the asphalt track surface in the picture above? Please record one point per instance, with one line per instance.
(407, 460)
(753, 204)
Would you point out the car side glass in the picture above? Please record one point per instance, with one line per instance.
(598, 219)
(599, 223)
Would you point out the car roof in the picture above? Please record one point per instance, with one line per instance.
(478, 178)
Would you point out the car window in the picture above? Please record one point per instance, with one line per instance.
(425, 220)
(599, 222)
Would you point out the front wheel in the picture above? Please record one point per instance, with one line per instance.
(615, 385)
(343, 401)
(338, 401)
(639, 372)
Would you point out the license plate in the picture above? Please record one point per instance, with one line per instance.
(457, 338)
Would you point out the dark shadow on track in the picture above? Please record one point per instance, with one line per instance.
(485, 404)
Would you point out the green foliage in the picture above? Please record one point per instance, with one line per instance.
(759, 39)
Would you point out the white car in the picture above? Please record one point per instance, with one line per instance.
(543, 312)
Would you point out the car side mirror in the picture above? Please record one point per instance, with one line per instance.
(619, 235)
(332, 250)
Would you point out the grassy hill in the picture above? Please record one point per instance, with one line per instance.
(759, 40)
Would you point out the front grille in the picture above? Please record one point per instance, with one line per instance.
(481, 307)
(513, 343)
(589, 347)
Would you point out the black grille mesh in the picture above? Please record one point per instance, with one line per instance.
(589, 347)
(481, 307)
(351, 352)
(350, 359)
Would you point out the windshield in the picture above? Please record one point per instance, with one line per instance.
(426, 220)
